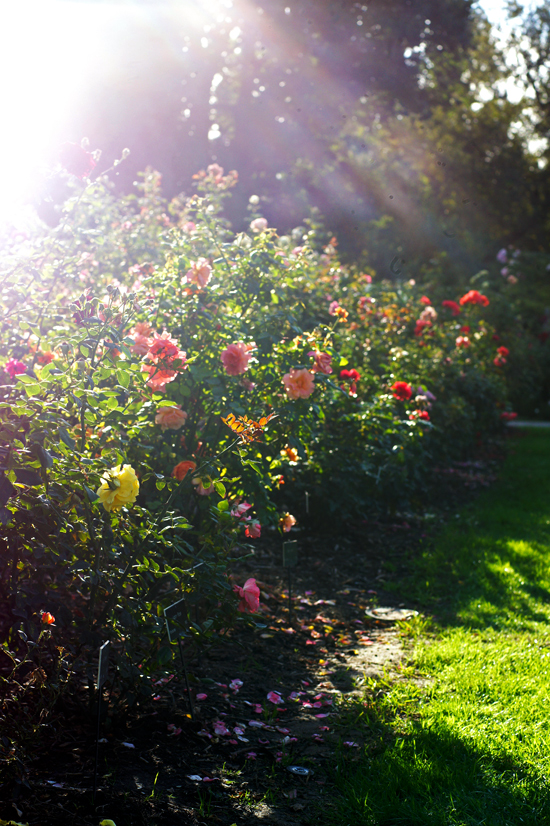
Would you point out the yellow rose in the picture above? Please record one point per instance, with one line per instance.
(119, 487)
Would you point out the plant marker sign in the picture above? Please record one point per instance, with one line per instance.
(175, 617)
(290, 560)
(102, 676)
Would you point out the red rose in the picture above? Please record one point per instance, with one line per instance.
(352, 375)
(474, 297)
(451, 305)
(401, 390)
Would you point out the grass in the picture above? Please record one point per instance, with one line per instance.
(464, 739)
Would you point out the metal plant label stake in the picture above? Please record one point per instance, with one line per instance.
(307, 503)
(177, 613)
(290, 560)
(102, 675)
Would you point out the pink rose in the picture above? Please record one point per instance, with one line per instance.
(159, 377)
(299, 384)
(253, 529)
(203, 486)
(250, 596)
(13, 368)
(76, 160)
(240, 509)
(258, 225)
(171, 418)
(235, 358)
(502, 256)
(199, 273)
(322, 362)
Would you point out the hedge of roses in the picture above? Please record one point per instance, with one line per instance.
(170, 389)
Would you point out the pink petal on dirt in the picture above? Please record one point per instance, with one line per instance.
(201, 697)
(324, 728)
(220, 729)
(235, 685)
(282, 730)
(256, 723)
(320, 716)
(294, 695)
(263, 741)
(274, 697)
(233, 742)
(351, 744)
(251, 755)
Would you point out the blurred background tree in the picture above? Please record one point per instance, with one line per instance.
(393, 120)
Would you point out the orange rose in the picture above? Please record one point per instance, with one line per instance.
(182, 469)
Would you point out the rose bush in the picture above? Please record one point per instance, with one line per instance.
(169, 390)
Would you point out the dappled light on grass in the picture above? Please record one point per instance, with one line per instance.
(465, 737)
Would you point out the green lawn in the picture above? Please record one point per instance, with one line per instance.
(465, 737)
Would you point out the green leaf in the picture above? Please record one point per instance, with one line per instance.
(219, 488)
(123, 378)
(64, 436)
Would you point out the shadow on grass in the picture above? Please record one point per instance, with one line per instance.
(430, 778)
(429, 762)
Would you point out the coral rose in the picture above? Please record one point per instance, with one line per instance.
(119, 487)
(159, 377)
(164, 348)
(235, 358)
(47, 618)
(299, 384)
(287, 521)
(199, 273)
(171, 418)
(182, 469)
